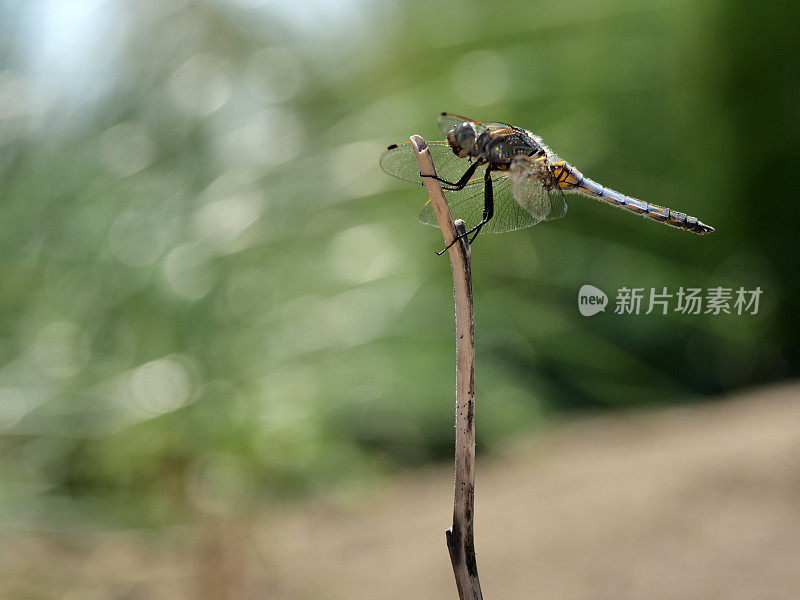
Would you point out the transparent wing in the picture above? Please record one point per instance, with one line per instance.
(400, 160)
(530, 192)
(467, 204)
(447, 121)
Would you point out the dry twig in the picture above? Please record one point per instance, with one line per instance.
(460, 540)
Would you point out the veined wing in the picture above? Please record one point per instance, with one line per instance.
(527, 177)
(400, 160)
(467, 204)
(447, 121)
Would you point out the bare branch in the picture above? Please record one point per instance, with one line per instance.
(460, 539)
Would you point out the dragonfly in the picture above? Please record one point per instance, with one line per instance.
(523, 182)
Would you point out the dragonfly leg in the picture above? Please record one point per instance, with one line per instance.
(459, 185)
(488, 212)
(488, 205)
(477, 231)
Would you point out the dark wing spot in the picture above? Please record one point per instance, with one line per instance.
(392, 147)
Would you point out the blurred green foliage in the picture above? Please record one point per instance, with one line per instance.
(210, 292)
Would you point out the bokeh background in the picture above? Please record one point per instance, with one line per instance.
(215, 308)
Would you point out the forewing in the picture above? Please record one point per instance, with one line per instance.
(400, 160)
(530, 193)
(467, 204)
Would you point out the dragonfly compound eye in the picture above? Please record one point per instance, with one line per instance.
(465, 135)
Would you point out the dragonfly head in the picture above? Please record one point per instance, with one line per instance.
(462, 138)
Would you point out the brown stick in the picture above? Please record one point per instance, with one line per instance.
(460, 539)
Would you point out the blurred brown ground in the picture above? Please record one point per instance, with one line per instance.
(686, 503)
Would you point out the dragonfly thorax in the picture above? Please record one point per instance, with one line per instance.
(499, 148)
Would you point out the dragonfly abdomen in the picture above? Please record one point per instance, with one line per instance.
(570, 179)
